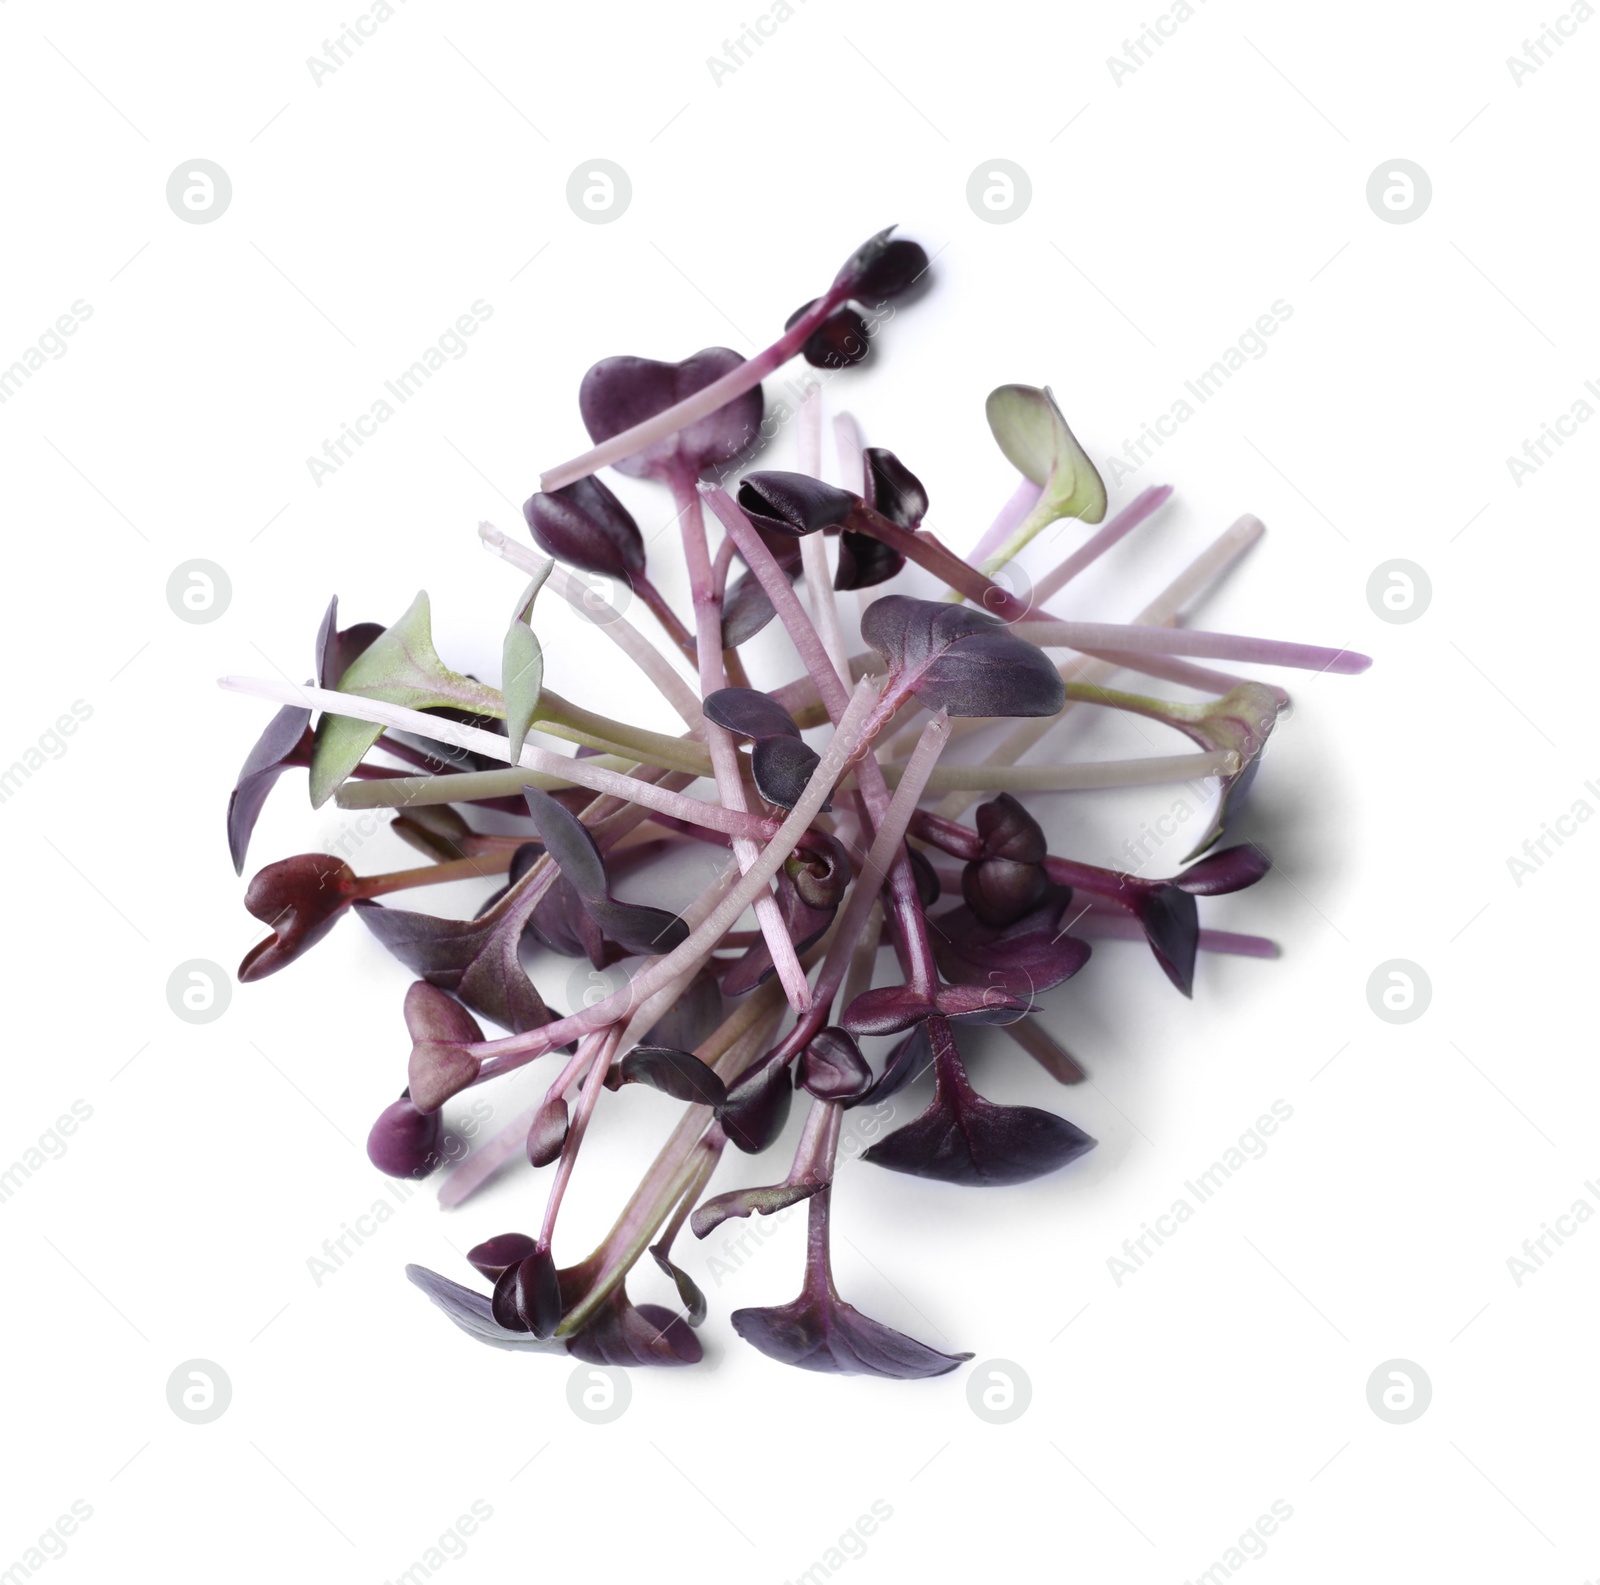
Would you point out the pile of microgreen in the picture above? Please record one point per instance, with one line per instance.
(818, 787)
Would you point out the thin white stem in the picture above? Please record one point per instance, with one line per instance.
(577, 772)
(1137, 639)
(814, 547)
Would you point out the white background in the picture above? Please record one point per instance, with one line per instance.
(368, 212)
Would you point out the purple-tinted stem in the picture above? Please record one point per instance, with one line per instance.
(1188, 641)
(600, 1048)
(501, 1056)
(1023, 500)
(701, 403)
(1128, 519)
(465, 1180)
(719, 741)
(911, 924)
(1124, 927)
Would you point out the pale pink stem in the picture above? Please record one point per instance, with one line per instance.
(1128, 519)
(814, 547)
(1124, 927)
(579, 772)
(719, 741)
(700, 405)
(464, 1180)
(1134, 639)
(848, 449)
(601, 1048)
(501, 1056)
(1023, 500)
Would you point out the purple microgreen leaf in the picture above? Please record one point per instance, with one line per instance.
(692, 1019)
(865, 562)
(819, 1331)
(746, 610)
(284, 741)
(1023, 964)
(1001, 891)
(472, 1312)
(750, 713)
(963, 1138)
(534, 1294)
(586, 526)
(712, 1213)
(500, 1253)
(893, 490)
(404, 1142)
(1226, 870)
(619, 392)
(804, 921)
(622, 1333)
(548, 1131)
(794, 503)
(831, 1068)
(961, 660)
(1035, 438)
(820, 870)
(907, 1061)
(301, 898)
(635, 926)
(883, 266)
(1172, 926)
(839, 342)
(477, 959)
(891, 1008)
(781, 767)
(679, 1074)
(440, 1028)
(757, 1107)
(689, 1294)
